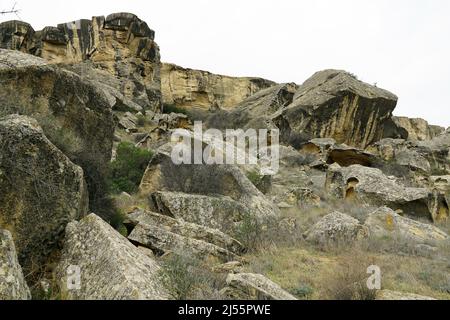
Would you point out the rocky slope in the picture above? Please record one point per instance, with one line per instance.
(355, 184)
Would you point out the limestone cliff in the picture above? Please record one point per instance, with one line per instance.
(418, 129)
(196, 90)
(121, 45)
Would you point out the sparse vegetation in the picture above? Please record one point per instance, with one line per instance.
(128, 168)
(172, 108)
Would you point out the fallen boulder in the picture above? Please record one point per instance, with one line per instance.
(110, 267)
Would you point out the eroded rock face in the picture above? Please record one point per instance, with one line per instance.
(12, 282)
(418, 129)
(111, 268)
(201, 91)
(41, 189)
(207, 180)
(249, 286)
(385, 222)
(336, 229)
(73, 113)
(371, 186)
(334, 104)
(164, 235)
(124, 58)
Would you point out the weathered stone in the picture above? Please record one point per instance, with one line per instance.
(384, 222)
(228, 267)
(370, 185)
(201, 91)
(12, 282)
(219, 212)
(210, 180)
(186, 229)
(74, 115)
(41, 189)
(418, 129)
(334, 104)
(302, 197)
(163, 239)
(249, 286)
(397, 296)
(111, 268)
(122, 56)
(336, 229)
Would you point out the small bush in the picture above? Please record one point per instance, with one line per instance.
(127, 169)
(255, 177)
(141, 120)
(249, 232)
(172, 108)
(303, 291)
(188, 279)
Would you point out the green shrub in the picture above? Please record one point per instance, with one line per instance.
(127, 169)
(172, 108)
(303, 291)
(255, 177)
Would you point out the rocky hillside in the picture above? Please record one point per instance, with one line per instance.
(92, 205)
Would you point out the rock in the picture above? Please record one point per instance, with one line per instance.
(12, 281)
(384, 222)
(396, 296)
(201, 91)
(186, 229)
(302, 197)
(111, 268)
(164, 235)
(418, 129)
(122, 57)
(249, 286)
(334, 104)
(219, 212)
(371, 186)
(229, 267)
(254, 112)
(336, 229)
(74, 115)
(346, 156)
(207, 180)
(42, 190)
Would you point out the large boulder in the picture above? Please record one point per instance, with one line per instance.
(41, 189)
(162, 174)
(334, 104)
(371, 186)
(200, 92)
(336, 229)
(12, 281)
(249, 286)
(120, 51)
(384, 222)
(110, 267)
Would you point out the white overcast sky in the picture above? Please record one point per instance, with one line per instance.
(402, 45)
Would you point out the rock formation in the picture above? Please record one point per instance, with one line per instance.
(201, 91)
(110, 267)
(12, 282)
(418, 129)
(120, 51)
(41, 190)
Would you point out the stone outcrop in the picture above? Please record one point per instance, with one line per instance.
(371, 186)
(334, 104)
(418, 129)
(186, 229)
(336, 229)
(249, 286)
(208, 180)
(41, 189)
(219, 212)
(110, 267)
(201, 91)
(164, 235)
(120, 50)
(384, 222)
(12, 282)
(398, 296)
(74, 115)
(255, 111)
